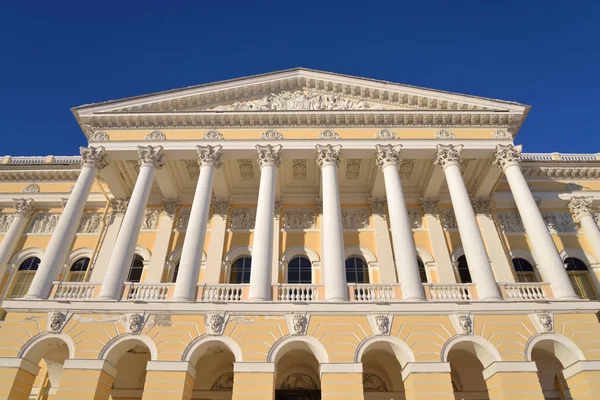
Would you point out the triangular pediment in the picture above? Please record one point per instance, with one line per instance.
(299, 90)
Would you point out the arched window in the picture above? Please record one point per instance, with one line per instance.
(24, 277)
(78, 270)
(524, 270)
(175, 272)
(463, 270)
(357, 270)
(136, 269)
(422, 272)
(580, 278)
(299, 270)
(240, 270)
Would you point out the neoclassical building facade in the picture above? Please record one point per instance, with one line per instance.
(300, 235)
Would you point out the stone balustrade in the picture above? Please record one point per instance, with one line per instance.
(451, 292)
(147, 291)
(367, 293)
(290, 293)
(528, 291)
(74, 290)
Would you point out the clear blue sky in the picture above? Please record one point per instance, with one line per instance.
(61, 54)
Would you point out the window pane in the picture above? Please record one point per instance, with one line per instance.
(175, 272)
(137, 267)
(422, 272)
(240, 270)
(31, 264)
(356, 270)
(575, 264)
(463, 270)
(522, 265)
(80, 265)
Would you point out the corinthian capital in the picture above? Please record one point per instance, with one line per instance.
(170, 207)
(209, 155)
(507, 155)
(119, 206)
(448, 155)
(151, 155)
(221, 207)
(24, 207)
(269, 155)
(580, 207)
(94, 157)
(482, 206)
(388, 155)
(430, 206)
(328, 155)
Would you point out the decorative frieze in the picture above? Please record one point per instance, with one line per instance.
(119, 206)
(90, 223)
(443, 134)
(150, 220)
(448, 218)
(212, 135)
(99, 136)
(246, 169)
(31, 188)
(416, 221)
(562, 173)
(5, 221)
(155, 135)
(510, 222)
(243, 218)
(386, 134)
(299, 169)
(299, 218)
(378, 207)
(482, 206)
(353, 168)
(43, 223)
(356, 219)
(271, 135)
(329, 135)
(184, 219)
(221, 207)
(556, 222)
(502, 134)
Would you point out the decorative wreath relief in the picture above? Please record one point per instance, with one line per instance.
(380, 323)
(297, 323)
(215, 323)
(463, 324)
(544, 322)
(135, 323)
(56, 320)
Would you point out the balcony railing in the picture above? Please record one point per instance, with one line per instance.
(302, 293)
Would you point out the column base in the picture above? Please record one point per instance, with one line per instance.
(493, 298)
(414, 299)
(182, 300)
(570, 298)
(32, 297)
(106, 298)
(337, 300)
(260, 299)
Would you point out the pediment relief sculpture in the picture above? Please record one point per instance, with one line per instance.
(243, 218)
(43, 223)
(5, 221)
(356, 219)
(299, 218)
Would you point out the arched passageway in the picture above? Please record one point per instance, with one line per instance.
(297, 372)
(213, 362)
(130, 357)
(382, 372)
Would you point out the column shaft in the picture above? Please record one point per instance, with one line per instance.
(214, 256)
(209, 158)
(441, 255)
(162, 242)
(387, 272)
(549, 261)
(120, 261)
(262, 245)
(336, 288)
(53, 261)
(470, 236)
(402, 237)
(24, 210)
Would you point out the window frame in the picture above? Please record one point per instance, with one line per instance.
(365, 267)
(299, 269)
(243, 269)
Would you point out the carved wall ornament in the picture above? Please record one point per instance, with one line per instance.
(328, 155)
(119, 206)
(55, 321)
(329, 135)
(299, 218)
(448, 218)
(63, 203)
(466, 325)
(353, 168)
(299, 324)
(386, 134)
(135, 323)
(319, 205)
(378, 207)
(562, 173)
(43, 223)
(416, 221)
(580, 207)
(170, 207)
(482, 206)
(212, 135)
(545, 322)
(383, 324)
(430, 206)
(299, 169)
(99, 136)
(299, 381)
(209, 155)
(506, 156)
(443, 134)
(355, 219)
(387, 155)
(243, 218)
(224, 383)
(304, 99)
(221, 207)
(373, 383)
(193, 169)
(510, 222)
(271, 135)
(572, 187)
(31, 188)
(94, 157)
(502, 134)
(90, 223)
(24, 207)
(246, 169)
(215, 323)
(155, 135)
(150, 220)
(278, 208)
(406, 168)
(5, 222)
(269, 155)
(151, 155)
(558, 222)
(448, 155)
(184, 219)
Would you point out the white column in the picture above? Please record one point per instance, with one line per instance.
(551, 265)
(336, 289)
(209, 159)
(93, 159)
(113, 223)
(214, 255)
(262, 245)
(160, 250)
(503, 270)
(387, 270)
(448, 158)
(120, 261)
(275, 264)
(439, 246)
(405, 253)
(23, 210)
(581, 208)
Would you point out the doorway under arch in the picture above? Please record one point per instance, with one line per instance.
(297, 373)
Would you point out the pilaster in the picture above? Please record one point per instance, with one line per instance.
(86, 379)
(387, 271)
(427, 381)
(513, 380)
(343, 381)
(169, 380)
(162, 243)
(441, 255)
(214, 256)
(113, 222)
(253, 381)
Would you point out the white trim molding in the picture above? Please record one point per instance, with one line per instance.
(508, 366)
(425, 368)
(581, 366)
(20, 363)
(341, 368)
(91, 364)
(268, 367)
